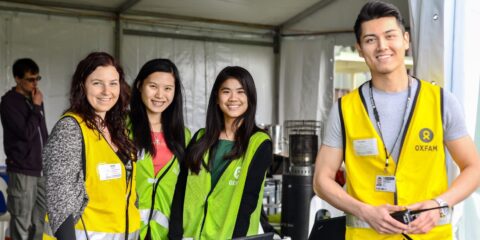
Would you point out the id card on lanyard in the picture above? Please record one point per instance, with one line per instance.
(385, 183)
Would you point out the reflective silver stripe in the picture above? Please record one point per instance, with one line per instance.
(141, 155)
(151, 180)
(355, 222)
(144, 215)
(80, 234)
(157, 216)
(47, 230)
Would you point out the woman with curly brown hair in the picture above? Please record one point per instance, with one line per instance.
(89, 161)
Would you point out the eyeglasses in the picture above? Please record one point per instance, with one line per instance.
(33, 79)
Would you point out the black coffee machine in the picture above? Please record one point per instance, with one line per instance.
(297, 180)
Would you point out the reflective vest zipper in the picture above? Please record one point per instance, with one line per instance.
(206, 200)
(407, 124)
(128, 196)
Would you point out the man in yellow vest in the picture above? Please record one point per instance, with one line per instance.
(391, 133)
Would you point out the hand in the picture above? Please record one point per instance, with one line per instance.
(379, 219)
(426, 220)
(37, 97)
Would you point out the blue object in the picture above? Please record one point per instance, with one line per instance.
(3, 190)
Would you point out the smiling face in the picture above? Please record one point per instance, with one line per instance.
(232, 100)
(102, 88)
(383, 45)
(157, 90)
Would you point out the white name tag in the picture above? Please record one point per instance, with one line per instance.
(365, 147)
(385, 183)
(109, 171)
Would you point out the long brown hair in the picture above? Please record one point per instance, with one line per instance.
(116, 116)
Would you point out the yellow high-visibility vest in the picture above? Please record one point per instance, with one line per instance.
(420, 171)
(111, 198)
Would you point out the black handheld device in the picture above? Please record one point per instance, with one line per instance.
(408, 216)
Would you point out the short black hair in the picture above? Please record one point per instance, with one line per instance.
(24, 65)
(377, 9)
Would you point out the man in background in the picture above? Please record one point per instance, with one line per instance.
(24, 134)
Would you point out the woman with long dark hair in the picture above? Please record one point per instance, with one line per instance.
(159, 133)
(220, 190)
(89, 160)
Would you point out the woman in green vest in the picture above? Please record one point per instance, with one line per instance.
(89, 160)
(157, 128)
(220, 189)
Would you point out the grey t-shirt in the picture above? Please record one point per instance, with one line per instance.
(391, 109)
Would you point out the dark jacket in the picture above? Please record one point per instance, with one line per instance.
(24, 133)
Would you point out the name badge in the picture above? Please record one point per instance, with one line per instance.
(365, 147)
(109, 171)
(385, 183)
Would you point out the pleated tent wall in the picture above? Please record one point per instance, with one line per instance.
(56, 44)
(199, 62)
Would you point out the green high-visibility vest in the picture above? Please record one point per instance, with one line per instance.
(211, 213)
(146, 180)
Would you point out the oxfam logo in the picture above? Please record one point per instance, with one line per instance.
(426, 135)
(236, 174)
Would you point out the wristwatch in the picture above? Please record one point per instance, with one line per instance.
(442, 203)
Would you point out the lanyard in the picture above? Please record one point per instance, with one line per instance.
(388, 154)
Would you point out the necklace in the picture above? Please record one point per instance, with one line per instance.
(388, 154)
(156, 137)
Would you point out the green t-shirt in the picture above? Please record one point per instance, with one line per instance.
(219, 164)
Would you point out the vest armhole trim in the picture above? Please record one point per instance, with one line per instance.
(344, 141)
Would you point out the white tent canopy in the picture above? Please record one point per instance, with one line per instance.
(201, 37)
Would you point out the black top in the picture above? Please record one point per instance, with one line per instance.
(256, 173)
(66, 230)
(24, 133)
